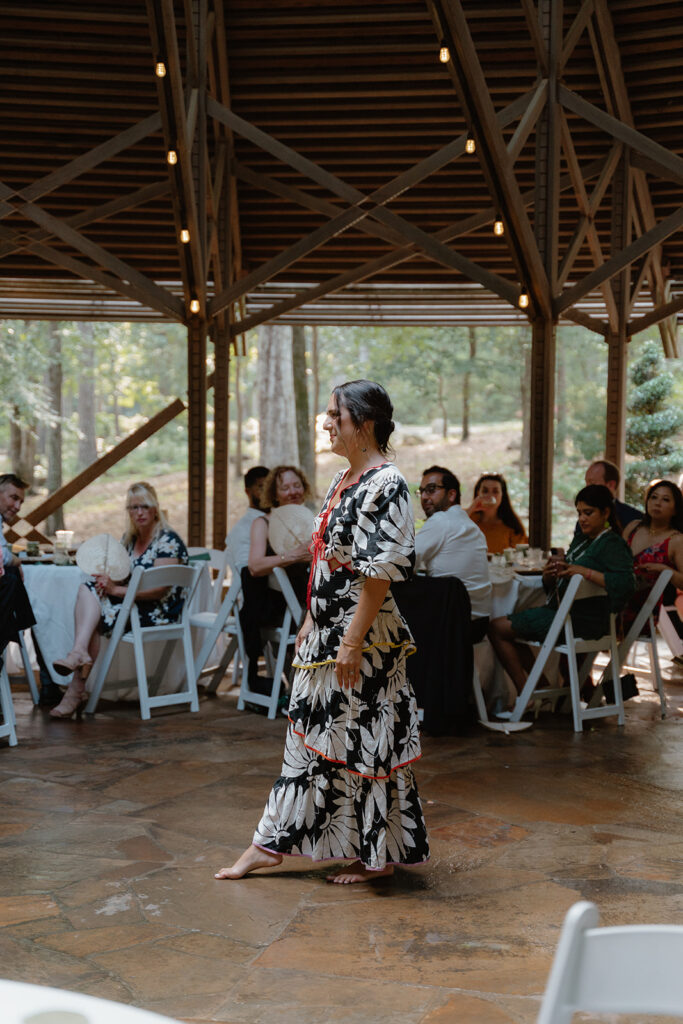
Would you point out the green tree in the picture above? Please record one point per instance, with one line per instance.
(653, 422)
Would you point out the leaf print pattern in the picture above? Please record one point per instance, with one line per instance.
(166, 544)
(346, 788)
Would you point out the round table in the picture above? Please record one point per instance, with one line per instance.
(36, 1004)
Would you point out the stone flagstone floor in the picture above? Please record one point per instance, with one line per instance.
(111, 829)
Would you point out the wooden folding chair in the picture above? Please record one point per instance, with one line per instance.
(185, 576)
(561, 627)
(281, 636)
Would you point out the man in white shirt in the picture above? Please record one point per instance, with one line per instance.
(450, 544)
(238, 540)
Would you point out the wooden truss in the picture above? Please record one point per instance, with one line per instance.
(614, 248)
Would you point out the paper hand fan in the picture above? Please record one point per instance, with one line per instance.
(103, 555)
(289, 526)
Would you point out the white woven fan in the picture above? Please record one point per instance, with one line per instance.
(103, 555)
(289, 526)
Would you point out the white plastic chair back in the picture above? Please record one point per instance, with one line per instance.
(279, 636)
(629, 969)
(185, 576)
(644, 630)
(8, 724)
(223, 621)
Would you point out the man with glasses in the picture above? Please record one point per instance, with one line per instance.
(450, 544)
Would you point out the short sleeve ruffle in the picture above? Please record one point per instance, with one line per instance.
(383, 545)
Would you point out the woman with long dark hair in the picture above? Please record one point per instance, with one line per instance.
(492, 512)
(347, 790)
(656, 542)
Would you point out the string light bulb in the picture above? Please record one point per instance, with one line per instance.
(523, 300)
(498, 226)
(444, 53)
(194, 306)
(470, 144)
(184, 236)
(171, 158)
(160, 68)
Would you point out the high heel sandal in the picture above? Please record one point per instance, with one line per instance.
(70, 703)
(71, 662)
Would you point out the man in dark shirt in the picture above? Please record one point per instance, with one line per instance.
(607, 474)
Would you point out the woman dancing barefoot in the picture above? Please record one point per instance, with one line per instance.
(347, 790)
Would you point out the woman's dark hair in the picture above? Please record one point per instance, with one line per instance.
(366, 401)
(505, 512)
(600, 497)
(677, 518)
(269, 492)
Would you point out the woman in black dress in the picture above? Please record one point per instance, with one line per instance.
(347, 790)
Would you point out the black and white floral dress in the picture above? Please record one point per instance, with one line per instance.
(166, 544)
(347, 789)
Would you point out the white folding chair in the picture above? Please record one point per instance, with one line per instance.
(185, 576)
(8, 725)
(645, 621)
(219, 563)
(577, 589)
(628, 969)
(282, 636)
(505, 726)
(223, 622)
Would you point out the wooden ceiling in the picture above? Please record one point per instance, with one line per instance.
(322, 164)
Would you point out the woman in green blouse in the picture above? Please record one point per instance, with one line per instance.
(597, 553)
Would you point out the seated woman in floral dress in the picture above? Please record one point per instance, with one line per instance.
(656, 541)
(150, 541)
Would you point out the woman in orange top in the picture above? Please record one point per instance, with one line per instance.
(492, 512)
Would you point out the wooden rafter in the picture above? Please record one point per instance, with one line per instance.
(594, 200)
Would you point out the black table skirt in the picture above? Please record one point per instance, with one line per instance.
(438, 612)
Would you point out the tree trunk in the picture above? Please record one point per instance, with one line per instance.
(466, 385)
(561, 405)
(27, 461)
(277, 425)
(315, 401)
(87, 442)
(526, 408)
(442, 405)
(54, 433)
(15, 442)
(303, 419)
(240, 418)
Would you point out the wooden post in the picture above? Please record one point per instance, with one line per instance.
(221, 387)
(542, 432)
(196, 429)
(617, 341)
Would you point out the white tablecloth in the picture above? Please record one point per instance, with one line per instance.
(52, 590)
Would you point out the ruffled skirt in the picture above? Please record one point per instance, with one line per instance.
(347, 789)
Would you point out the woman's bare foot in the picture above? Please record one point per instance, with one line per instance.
(357, 872)
(252, 858)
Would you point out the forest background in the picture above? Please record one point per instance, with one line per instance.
(71, 391)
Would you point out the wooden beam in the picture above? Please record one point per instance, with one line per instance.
(669, 226)
(615, 413)
(618, 130)
(641, 323)
(547, 149)
(196, 430)
(577, 316)
(576, 31)
(494, 159)
(111, 148)
(105, 462)
(158, 297)
(92, 273)
(594, 201)
(542, 432)
(372, 267)
(585, 208)
(531, 16)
